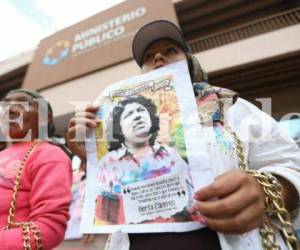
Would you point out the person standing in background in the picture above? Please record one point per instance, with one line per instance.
(35, 177)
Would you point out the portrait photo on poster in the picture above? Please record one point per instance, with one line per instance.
(140, 163)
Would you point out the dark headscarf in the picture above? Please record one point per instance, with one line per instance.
(51, 127)
(196, 71)
(42, 101)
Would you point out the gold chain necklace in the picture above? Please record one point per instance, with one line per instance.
(274, 204)
(25, 226)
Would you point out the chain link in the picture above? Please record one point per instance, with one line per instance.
(37, 235)
(274, 204)
(268, 236)
(26, 227)
(26, 236)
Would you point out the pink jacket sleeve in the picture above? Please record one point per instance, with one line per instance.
(50, 196)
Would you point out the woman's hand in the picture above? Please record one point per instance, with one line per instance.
(77, 129)
(88, 238)
(233, 203)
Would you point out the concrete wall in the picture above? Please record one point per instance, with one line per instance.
(256, 48)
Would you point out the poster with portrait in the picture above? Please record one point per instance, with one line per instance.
(143, 158)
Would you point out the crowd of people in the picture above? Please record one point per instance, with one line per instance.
(36, 173)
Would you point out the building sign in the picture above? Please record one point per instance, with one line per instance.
(95, 43)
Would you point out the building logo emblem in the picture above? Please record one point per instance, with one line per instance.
(57, 53)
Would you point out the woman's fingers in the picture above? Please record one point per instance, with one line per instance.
(92, 109)
(222, 186)
(249, 192)
(89, 113)
(77, 147)
(88, 238)
(227, 206)
(89, 123)
(234, 199)
(85, 114)
(78, 127)
(77, 133)
(242, 222)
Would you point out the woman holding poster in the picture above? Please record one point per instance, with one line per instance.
(235, 206)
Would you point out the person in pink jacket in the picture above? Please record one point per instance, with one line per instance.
(44, 193)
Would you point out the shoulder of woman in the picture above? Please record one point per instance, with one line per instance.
(243, 108)
(49, 152)
(49, 160)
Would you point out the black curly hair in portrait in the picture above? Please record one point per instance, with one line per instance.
(116, 115)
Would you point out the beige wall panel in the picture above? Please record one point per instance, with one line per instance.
(16, 62)
(246, 51)
(87, 88)
(253, 49)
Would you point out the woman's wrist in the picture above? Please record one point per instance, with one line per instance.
(289, 193)
(83, 165)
